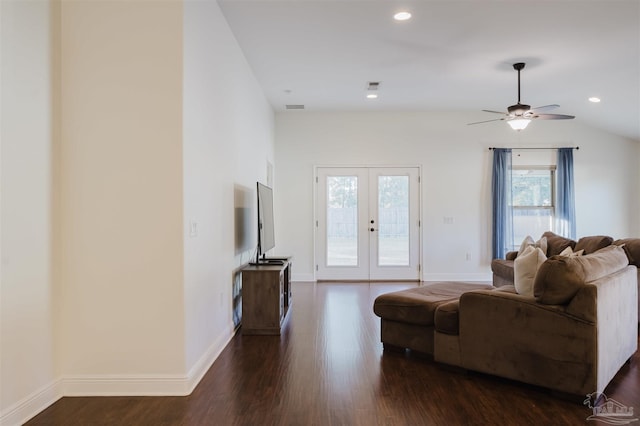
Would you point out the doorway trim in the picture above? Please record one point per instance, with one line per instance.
(315, 182)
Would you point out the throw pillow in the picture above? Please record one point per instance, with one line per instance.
(525, 268)
(528, 241)
(569, 252)
(593, 243)
(561, 277)
(556, 243)
(632, 247)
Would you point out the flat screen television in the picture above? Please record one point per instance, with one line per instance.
(266, 225)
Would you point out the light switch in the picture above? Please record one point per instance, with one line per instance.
(193, 228)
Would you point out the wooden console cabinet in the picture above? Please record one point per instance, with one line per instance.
(266, 298)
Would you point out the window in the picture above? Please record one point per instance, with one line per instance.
(533, 195)
(528, 200)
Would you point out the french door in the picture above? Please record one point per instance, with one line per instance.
(367, 223)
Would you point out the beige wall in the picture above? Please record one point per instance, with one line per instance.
(120, 311)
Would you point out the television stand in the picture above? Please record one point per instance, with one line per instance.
(269, 261)
(266, 297)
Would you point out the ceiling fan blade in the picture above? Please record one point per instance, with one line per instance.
(495, 112)
(545, 108)
(553, 117)
(486, 121)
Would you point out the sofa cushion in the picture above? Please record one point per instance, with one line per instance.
(560, 277)
(631, 246)
(593, 243)
(418, 305)
(446, 318)
(525, 267)
(557, 243)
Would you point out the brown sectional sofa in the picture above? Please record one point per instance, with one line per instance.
(572, 335)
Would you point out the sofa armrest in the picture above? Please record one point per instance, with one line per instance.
(617, 320)
(606, 294)
(513, 336)
(511, 255)
(567, 348)
(502, 271)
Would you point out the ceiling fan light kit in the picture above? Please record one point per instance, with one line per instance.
(520, 115)
(519, 123)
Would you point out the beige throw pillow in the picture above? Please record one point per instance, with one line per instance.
(569, 252)
(529, 242)
(525, 268)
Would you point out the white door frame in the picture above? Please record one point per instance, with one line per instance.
(318, 216)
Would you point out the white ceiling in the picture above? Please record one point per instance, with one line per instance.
(452, 55)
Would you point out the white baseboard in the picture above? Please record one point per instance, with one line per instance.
(200, 368)
(147, 385)
(476, 277)
(302, 277)
(29, 407)
(114, 385)
(126, 385)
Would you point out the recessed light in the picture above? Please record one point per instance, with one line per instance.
(372, 96)
(402, 16)
(594, 99)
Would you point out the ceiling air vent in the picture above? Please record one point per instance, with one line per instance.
(373, 85)
(294, 106)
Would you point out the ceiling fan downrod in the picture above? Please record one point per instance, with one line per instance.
(518, 66)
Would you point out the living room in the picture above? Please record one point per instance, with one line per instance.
(127, 125)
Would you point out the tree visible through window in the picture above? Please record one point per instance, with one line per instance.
(533, 198)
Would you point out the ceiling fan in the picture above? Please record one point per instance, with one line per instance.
(519, 115)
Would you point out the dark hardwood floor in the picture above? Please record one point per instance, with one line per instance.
(328, 368)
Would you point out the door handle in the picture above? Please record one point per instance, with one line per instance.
(372, 229)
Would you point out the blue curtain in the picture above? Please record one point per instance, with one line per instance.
(565, 203)
(502, 206)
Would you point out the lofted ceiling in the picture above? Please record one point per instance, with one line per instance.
(452, 55)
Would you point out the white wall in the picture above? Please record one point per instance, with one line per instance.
(456, 177)
(228, 138)
(637, 206)
(27, 367)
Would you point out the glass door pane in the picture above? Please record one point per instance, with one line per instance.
(394, 228)
(342, 220)
(393, 220)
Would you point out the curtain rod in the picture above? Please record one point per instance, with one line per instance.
(491, 148)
